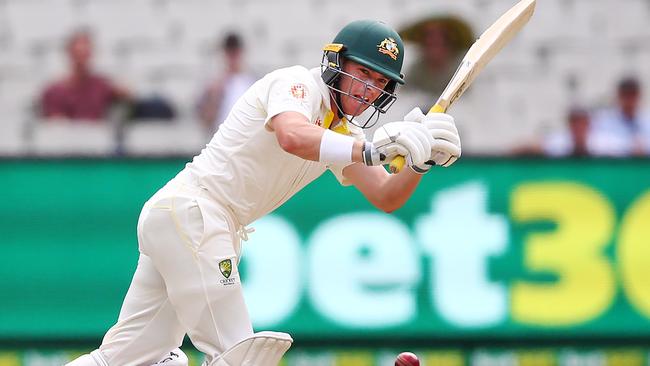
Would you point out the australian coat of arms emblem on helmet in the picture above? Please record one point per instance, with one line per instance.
(389, 47)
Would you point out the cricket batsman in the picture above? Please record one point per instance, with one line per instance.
(285, 131)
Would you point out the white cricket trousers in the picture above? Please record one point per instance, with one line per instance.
(186, 281)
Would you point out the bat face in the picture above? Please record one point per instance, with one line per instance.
(485, 48)
(461, 80)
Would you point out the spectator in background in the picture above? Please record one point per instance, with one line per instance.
(574, 140)
(442, 43)
(622, 130)
(220, 96)
(83, 94)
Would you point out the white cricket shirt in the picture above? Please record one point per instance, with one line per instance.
(243, 166)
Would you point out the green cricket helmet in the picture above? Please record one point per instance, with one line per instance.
(372, 44)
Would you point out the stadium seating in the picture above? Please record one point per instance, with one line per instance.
(572, 51)
(72, 138)
(160, 138)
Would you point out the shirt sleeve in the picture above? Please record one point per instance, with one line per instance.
(292, 94)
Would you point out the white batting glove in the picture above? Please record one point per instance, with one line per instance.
(409, 139)
(446, 148)
(415, 115)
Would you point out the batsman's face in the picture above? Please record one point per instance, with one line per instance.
(362, 85)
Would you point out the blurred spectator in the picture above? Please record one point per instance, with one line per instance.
(218, 98)
(622, 130)
(574, 140)
(442, 43)
(83, 94)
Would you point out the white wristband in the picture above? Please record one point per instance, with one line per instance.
(335, 148)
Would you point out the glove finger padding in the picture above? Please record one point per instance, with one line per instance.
(390, 150)
(399, 139)
(446, 147)
(396, 150)
(444, 159)
(417, 144)
(425, 144)
(440, 121)
(445, 153)
(415, 115)
(441, 125)
(413, 140)
(445, 135)
(439, 117)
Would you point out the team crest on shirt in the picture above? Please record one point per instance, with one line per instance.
(389, 47)
(225, 266)
(299, 91)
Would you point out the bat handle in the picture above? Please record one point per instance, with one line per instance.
(438, 108)
(398, 162)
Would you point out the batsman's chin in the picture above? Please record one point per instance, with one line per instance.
(354, 106)
(356, 110)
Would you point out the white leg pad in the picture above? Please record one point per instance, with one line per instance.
(262, 349)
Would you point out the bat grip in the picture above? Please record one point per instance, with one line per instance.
(398, 162)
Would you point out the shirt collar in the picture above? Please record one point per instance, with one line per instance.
(324, 90)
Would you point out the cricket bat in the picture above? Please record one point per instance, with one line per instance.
(477, 57)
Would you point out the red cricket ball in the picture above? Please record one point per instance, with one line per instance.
(407, 359)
